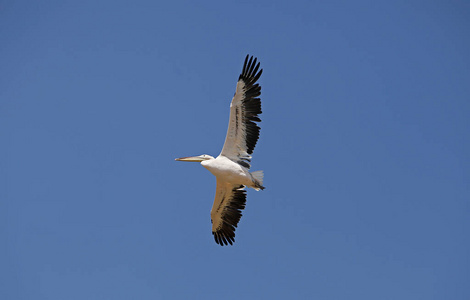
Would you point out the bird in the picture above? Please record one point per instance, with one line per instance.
(231, 167)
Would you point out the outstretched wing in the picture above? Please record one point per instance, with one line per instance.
(243, 132)
(226, 212)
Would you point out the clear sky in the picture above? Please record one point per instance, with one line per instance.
(364, 144)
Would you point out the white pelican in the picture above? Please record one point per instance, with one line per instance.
(231, 167)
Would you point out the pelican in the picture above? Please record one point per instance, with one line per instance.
(231, 167)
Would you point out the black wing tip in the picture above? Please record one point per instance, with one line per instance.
(250, 73)
(224, 238)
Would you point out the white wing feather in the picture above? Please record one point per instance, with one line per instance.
(243, 132)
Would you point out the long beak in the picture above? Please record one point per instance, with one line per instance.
(190, 158)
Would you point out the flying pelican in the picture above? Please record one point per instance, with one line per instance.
(231, 167)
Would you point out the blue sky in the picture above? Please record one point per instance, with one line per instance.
(364, 144)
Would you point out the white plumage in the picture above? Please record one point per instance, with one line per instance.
(231, 167)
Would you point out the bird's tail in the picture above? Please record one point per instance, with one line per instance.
(258, 180)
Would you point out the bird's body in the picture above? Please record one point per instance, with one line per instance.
(231, 172)
(231, 167)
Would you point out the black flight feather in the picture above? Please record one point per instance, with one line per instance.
(251, 104)
(231, 215)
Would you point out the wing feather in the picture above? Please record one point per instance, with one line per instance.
(226, 212)
(243, 132)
